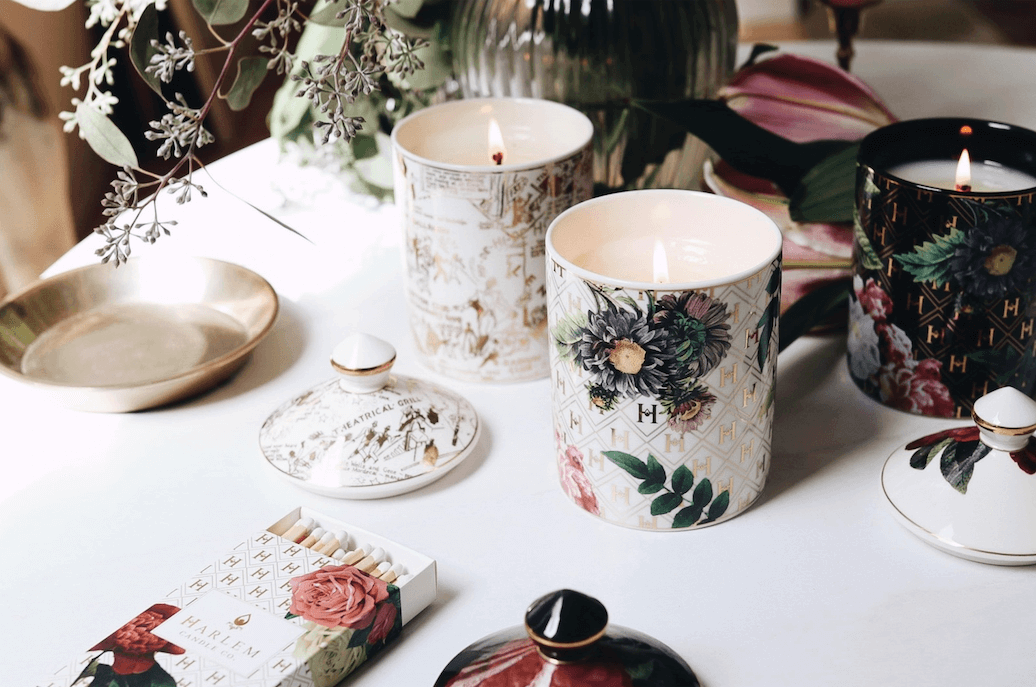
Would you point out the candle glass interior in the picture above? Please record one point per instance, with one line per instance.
(457, 133)
(707, 239)
(903, 146)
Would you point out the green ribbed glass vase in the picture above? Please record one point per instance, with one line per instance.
(596, 55)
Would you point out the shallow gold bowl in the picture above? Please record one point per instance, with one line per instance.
(152, 331)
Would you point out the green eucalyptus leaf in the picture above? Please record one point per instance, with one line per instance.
(683, 480)
(376, 170)
(406, 8)
(650, 487)
(324, 15)
(250, 73)
(221, 12)
(687, 516)
(631, 464)
(702, 493)
(812, 309)
(366, 145)
(718, 507)
(436, 71)
(827, 193)
(105, 138)
(656, 473)
(665, 503)
(140, 48)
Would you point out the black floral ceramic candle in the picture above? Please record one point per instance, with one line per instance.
(944, 292)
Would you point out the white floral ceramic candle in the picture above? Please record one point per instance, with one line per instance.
(478, 182)
(662, 311)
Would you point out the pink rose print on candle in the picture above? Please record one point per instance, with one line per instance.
(881, 357)
(573, 479)
(916, 387)
(875, 301)
(133, 645)
(337, 596)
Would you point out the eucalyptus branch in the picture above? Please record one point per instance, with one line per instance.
(370, 51)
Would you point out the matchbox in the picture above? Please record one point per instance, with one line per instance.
(271, 612)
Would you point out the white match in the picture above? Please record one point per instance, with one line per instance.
(313, 538)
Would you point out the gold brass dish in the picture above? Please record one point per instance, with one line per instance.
(152, 331)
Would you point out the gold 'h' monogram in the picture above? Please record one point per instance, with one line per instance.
(725, 433)
(624, 494)
(724, 375)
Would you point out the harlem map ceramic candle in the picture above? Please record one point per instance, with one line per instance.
(478, 182)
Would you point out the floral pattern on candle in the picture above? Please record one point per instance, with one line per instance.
(663, 398)
(662, 350)
(944, 301)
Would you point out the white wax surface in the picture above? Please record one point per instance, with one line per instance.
(456, 134)
(631, 259)
(988, 177)
(708, 239)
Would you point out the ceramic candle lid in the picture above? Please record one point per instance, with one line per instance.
(368, 434)
(971, 491)
(567, 641)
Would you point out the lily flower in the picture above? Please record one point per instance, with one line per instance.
(802, 100)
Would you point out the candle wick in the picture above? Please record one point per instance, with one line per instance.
(498, 158)
(964, 187)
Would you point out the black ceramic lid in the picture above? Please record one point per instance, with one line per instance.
(566, 619)
(567, 642)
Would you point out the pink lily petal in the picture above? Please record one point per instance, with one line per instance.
(805, 100)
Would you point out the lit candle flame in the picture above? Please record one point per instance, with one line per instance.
(496, 142)
(660, 264)
(964, 172)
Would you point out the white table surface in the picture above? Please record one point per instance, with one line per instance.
(100, 515)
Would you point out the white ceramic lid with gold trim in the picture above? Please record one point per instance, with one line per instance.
(971, 490)
(369, 434)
